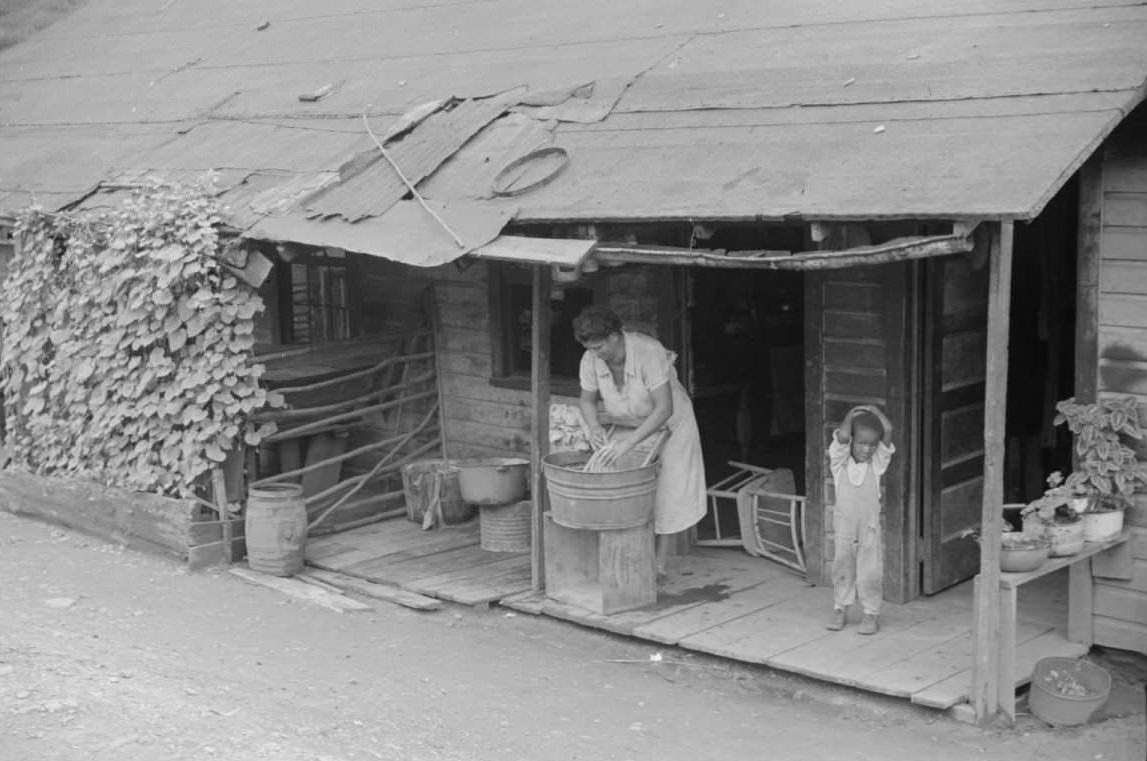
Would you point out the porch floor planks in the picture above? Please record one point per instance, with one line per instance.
(375, 535)
(722, 603)
(392, 552)
(674, 629)
(699, 582)
(405, 567)
(933, 665)
(477, 584)
(848, 658)
(765, 633)
(958, 687)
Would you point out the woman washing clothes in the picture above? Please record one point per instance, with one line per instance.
(634, 377)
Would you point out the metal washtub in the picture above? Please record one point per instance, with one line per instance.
(600, 500)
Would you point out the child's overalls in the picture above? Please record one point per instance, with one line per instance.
(858, 562)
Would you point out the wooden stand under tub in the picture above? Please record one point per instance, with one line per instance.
(605, 571)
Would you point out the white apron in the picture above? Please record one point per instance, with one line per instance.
(681, 497)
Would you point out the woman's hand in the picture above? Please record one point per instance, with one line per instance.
(618, 448)
(598, 438)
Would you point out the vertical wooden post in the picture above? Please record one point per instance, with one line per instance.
(816, 461)
(1087, 278)
(219, 493)
(430, 301)
(1089, 258)
(540, 428)
(985, 663)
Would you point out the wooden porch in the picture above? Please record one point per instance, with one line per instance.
(726, 603)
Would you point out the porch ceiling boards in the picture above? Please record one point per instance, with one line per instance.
(756, 109)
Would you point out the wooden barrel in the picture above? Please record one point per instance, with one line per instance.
(276, 525)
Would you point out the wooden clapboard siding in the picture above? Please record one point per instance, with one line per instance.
(480, 419)
(856, 322)
(1120, 614)
(1121, 605)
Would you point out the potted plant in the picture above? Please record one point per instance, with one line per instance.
(1107, 469)
(1052, 516)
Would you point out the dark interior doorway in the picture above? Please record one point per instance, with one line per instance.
(747, 350)
(1041, 358)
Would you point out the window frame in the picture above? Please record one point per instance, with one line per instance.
(330, 259)
(502, 276)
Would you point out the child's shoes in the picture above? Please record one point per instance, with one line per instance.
(836, 622)
(869, 624)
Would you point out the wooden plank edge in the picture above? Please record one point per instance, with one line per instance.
(530, 602)
(384, 592)
(930, 696)
(301, 590)
(208, 555)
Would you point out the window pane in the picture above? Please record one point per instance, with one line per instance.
(565, 351)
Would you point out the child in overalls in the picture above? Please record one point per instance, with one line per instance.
(859, 454)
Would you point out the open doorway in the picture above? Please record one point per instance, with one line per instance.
(1040, 373)
(1041, 354)
(747, 350)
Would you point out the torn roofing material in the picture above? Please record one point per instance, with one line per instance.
(376, 186)
(403, 233)
(823, 109)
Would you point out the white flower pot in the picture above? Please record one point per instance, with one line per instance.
(1102, 526)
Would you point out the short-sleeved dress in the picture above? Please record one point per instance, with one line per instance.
(680, 501)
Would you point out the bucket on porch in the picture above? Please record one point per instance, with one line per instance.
(418, 485)
(276, 529)
(506, 528)
(1066, 692)
(598, 500)
(493, 480)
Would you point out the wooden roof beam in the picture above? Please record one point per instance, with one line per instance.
(898, 250)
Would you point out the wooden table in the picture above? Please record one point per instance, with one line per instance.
(1113, 554)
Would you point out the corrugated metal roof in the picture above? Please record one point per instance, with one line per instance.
(754, 109)
(404, 233)
(378, 187)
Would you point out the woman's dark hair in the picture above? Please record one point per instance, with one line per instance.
(595, 323)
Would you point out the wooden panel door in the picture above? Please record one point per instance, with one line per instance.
(860, 346)
(954, 357)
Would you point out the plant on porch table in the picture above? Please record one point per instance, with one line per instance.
(127, 345)
(1108, 470)
(1051, 515)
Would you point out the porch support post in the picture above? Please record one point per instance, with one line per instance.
(540, 426)
(1087, 278)
(986, 655)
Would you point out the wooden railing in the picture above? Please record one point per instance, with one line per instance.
(356, 413)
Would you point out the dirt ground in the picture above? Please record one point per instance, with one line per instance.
(107, 654)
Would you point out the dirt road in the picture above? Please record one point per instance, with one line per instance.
(110, 655)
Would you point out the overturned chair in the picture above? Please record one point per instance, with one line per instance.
(769, 514)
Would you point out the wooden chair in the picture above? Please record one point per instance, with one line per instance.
(727, 489)
(770, 515)
(772, 519)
